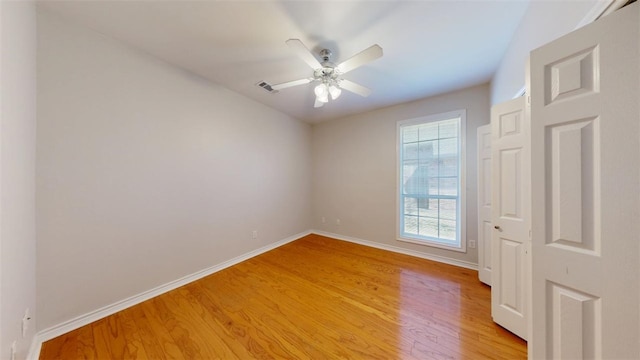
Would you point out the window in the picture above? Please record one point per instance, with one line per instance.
(431, 203)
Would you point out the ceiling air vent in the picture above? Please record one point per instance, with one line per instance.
(265, 85)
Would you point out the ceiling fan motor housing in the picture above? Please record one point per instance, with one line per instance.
(328, 70)
(327, 73)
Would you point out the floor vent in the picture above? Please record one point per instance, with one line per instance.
(265, 85)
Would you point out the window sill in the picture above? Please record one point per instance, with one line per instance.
(462, 249)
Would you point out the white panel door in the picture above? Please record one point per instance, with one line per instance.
(586, 192)
(484, 204)
(511, 218)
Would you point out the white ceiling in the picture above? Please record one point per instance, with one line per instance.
(430, 47)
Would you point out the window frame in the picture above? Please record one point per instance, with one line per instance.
(461, 245)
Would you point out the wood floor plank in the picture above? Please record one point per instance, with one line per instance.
(134, 344)
(240, 333)
(77, 344)
(107, 344)
(193, 329)
(241, 311)
(284, 313)
(118, 338)
(314, 298)
(156, 308)
(306, 301)
(152, 337)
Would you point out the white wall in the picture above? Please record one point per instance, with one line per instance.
(17, 169)
(146, 173)
(354, 169)
(543, 22)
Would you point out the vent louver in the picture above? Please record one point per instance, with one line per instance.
(265, 85)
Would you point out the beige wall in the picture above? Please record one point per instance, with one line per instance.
(147, 173)
(354, 169)
(17, 174)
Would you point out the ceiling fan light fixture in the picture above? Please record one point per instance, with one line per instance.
(322, 93)
(321, 90)
(334, 91)
(324, 98)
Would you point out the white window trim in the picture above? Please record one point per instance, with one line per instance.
(462, 114)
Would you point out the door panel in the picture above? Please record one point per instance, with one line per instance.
(511, 184)
(575, 320)
(510, 215)
(511, 258)
(573, 153)
(585, 139)
(484, 204)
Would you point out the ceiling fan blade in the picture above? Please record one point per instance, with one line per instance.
(354, 88)
(371, 53)
(303, 53)
(318, 103)
(287, 84)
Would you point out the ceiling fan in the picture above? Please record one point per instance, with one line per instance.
(329, 74)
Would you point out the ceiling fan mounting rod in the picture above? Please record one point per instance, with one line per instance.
(325, 54)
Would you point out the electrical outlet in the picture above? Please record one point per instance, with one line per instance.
(254, 234)
(25, 323)
(472, 244)
(337, 221)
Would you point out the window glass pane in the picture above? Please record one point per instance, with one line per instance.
(448, 209)
(448, 167)
(407, 171)
(425, 151)
(417, 182)
(448, 148)
(411, 224)
(448, 128)
(434, 186)
(410, 206)
(428, 207)
(428, 131)
(436, 149)
(410, 151)
(448, 186)
(410, 134)
(429, 227)
(447, 229)
(432, 167)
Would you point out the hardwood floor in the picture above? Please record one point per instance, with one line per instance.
(314, 298)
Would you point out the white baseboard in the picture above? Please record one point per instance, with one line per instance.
(82, 320)
(34, 349)
(396, 249)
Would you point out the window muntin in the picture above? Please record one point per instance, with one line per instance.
(431, 181)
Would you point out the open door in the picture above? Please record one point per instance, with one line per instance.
(484, 204)
(586, 192)
(511, 218)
